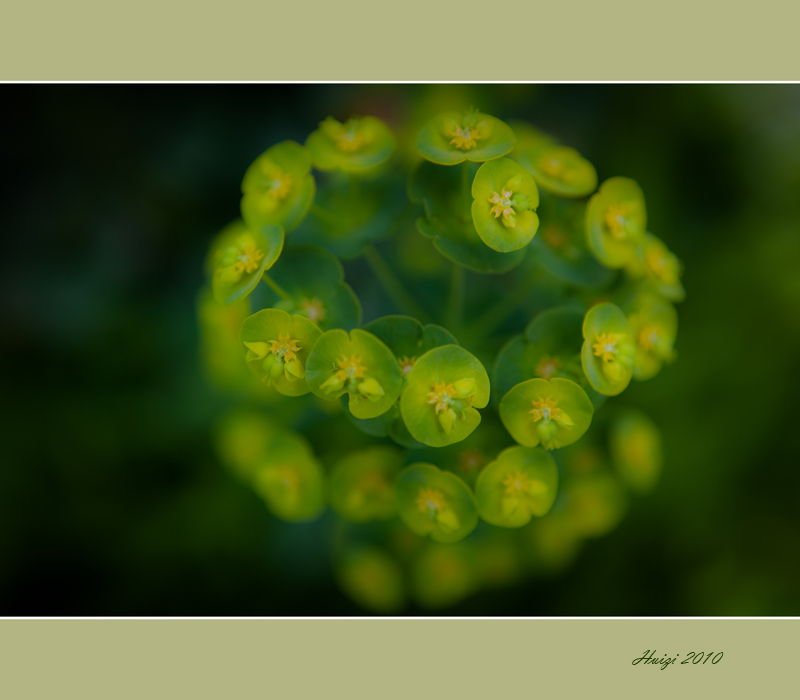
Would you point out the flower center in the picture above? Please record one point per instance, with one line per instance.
(606, 346)
(552, 166)
(442, 396)
(503, 206)
(430, 501)
(648, 337)
(663, 266)
(466, 137)
(284, 347)
(313, 309)
(247, 257)
(617, 221)
(545, 409)
(406, 364)
(547, 367)
(350, 368)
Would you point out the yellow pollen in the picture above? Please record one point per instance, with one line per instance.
(350, 368)
(430, 500)
(547, 367)
(406, 363)
(441, 395)
(606, 346)
(313, 309)
(502, 206)
(545, 409)
(516, 484)
(284, 347)
(616, 220)
(248, 256)
(648, 337)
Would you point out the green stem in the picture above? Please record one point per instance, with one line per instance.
(275, 287)
(465, 188)
(396, 290)
(455, 301)
(355, 189)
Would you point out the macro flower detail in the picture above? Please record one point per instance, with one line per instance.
(451, 400)
(313, 309)
(609, 349)
(453, 137)
(358, 144)
(616, 218)
(406, 364)
(547, 367)
(606, 346)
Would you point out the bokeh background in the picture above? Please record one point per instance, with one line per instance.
(112, 501)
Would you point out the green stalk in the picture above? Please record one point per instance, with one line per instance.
(275, 287)
(396, 290)
(455, 300)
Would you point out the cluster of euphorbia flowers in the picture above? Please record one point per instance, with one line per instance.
(488, 195)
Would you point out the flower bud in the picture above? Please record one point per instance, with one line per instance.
(547, 431)
(371, 389)
(447, 419)
(333, 384)
(464, 387)
(294, 370)
(448, 520)
(612, 370)
(256, 351)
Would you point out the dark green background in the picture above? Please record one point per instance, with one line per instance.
(111, 499)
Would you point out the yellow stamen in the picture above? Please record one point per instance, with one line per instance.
(430, 501)
(441, 395)
(248, 256)
(663, 265)
(606, 346)
(284, 347)
(503, 207)
(648, 337)
(545, 409)
(617, 220)
(465, 138)
(406, 364)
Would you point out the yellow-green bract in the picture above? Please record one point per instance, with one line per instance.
(635, 446)
(277, 187)
(552, 413)
(358, 144)
(278, 347)
(443, 389)
(504, 207)
(654, 325)
(358, 364)
(616, 219)
(372, 579)
(608, 349)
(239, 255)
(560, 170)
(362, 484)
(453, 137)
(519, 484)
(436, 503)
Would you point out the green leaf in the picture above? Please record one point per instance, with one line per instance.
(314, 282)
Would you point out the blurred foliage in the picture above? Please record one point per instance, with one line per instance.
(112, 499)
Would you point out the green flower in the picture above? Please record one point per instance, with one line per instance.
(242, 439)
(239, 255)
(453, 137)
(446, 196)
(362, 484)
(372, 579)
(443, 575)
(443, 389)
(635, 445)
(290, 479)
(436, 503)
(358, 144)
(278, 347)
(662, 268)
(616, 218)
(654, 325)
(552, 413)
(519, 484)
(595, 504)
(504, 207)
(358, 364)
(219, 326)
(608, 349)
(277, 187)
(560, 170)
